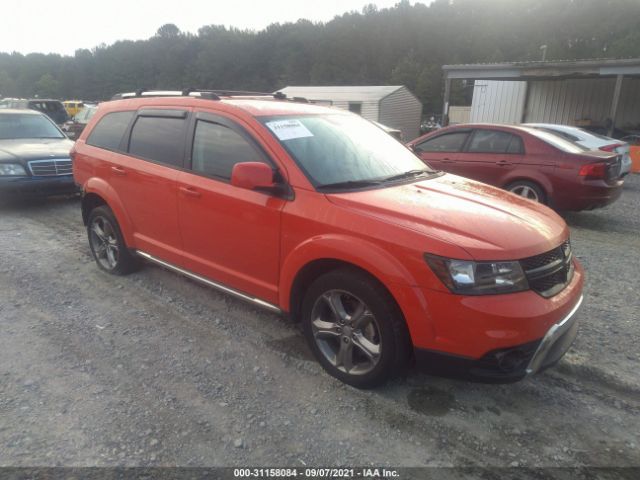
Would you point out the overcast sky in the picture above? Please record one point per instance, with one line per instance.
(50, 26)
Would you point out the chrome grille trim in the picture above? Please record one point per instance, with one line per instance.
(51, 168)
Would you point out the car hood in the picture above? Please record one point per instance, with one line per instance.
(488, 223)
(27, 149)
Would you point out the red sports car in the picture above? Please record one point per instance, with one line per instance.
(532, 163)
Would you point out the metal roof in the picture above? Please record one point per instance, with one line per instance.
(596, 67)
(349, 93)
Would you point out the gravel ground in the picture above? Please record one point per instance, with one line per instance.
(153, 369)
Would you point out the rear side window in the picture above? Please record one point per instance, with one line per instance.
(494, 141)
(159, 139)
(216, 149)
(109, 130)
(54, 106)
(449, 142)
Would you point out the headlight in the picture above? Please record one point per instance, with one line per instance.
(11, 169)
(478, 278)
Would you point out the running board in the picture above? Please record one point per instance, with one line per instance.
(193, 276)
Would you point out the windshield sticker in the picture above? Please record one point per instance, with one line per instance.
(289, 129)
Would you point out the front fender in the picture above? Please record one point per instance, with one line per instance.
(101, 188)
(371, 258)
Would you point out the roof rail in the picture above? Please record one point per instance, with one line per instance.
(194, 92)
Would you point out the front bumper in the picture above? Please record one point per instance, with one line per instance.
(506, 365)
(37, 186)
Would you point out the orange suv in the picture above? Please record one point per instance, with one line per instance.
(318, 214)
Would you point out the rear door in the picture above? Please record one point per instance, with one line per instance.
(145, 179)
(490, 155)
(442, 151)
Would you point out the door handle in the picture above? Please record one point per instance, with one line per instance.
(503, 163)
(447, 160)
(190, 191)
(118, 170)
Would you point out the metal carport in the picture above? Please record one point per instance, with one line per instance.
(549, 70)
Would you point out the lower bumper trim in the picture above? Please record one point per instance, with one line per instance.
(505, 365)
(556, 342)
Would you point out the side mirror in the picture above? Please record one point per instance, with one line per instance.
(252, 175)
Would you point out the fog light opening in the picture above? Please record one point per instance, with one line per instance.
(511, 360)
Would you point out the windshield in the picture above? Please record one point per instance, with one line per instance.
(560, 143)
(84, 115)
(20, 125)
(343, 150)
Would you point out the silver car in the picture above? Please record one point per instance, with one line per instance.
(590, 140)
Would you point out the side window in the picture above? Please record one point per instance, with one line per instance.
(109, 130)
(355, 107)
(160, 139)
(216, 149)
(516, 146)
(448, 142)
(493, 141)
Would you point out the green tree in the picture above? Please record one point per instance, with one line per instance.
(47, 86)
(7, 85)
(168, 30)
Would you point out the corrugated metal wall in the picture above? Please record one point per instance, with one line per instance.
(588, 100)
(569, 102)
(403, 111)
(498, 102)
(629, 108)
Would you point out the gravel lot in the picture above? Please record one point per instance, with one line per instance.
(153, 369)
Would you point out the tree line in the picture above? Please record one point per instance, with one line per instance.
(406, 44)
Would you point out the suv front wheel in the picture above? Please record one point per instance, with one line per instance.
(354, 328)
(107, 244)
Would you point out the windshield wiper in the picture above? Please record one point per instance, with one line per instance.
(408, 174)
(348, 184)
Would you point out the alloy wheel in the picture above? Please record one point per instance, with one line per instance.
(346, 332)
(526, 192)
(104, 242)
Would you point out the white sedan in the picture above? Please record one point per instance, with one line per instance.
(589, 140)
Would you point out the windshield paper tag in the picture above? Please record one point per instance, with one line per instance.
(289, 129)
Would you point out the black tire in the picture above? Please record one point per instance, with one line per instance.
(382, 330)
(107, 244)
(530, 190)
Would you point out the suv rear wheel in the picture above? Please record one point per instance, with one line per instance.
(354, 328)
(107, 244)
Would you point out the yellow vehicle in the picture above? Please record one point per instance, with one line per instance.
(73, 106)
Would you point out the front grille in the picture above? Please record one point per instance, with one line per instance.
(550, 272)
(51, 168)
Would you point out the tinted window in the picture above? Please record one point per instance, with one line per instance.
(216, 149)
(558, 142)
(560, 133)
(516, 145)
(160, 139)
(449, 142)
(492, 141)
(109, 130)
